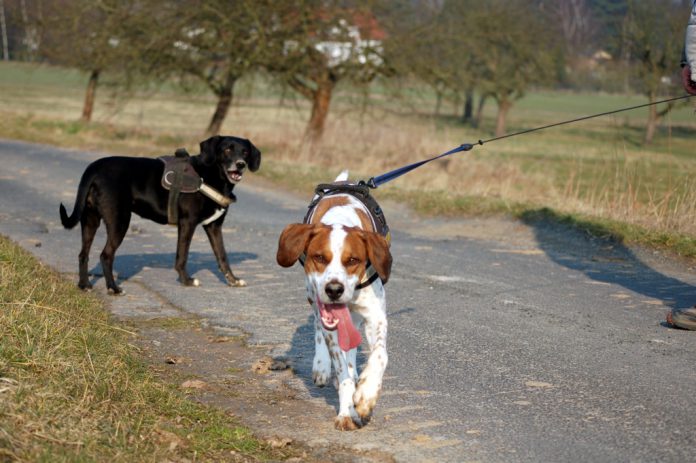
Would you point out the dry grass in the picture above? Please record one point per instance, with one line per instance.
(72, 388)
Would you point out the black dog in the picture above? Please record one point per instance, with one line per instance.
(112, 188)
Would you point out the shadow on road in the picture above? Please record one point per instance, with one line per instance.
(302, 355)
(129, 265)
(603, 257)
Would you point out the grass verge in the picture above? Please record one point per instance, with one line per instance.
(72, 388)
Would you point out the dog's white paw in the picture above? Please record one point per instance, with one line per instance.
(195, 282)
(236, 283)
(346, 423)
(365, 398)
(321, 372)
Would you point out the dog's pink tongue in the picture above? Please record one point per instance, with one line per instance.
(348, 336)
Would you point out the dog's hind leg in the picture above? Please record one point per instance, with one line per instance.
(89, 223)
(214, 232)
(115, 232)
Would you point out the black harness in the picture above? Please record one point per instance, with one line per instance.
(361, 192)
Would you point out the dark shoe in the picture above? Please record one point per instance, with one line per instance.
(683, 318)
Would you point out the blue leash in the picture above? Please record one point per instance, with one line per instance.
(374, 182)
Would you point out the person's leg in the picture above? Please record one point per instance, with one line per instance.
(683, 318)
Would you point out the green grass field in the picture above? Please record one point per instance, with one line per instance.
(596, 171)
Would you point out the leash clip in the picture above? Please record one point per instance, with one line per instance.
(370, 183)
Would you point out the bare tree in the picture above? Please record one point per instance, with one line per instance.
(91, 36)
(3, 31)
(513, 51)
(316, 44)
(655, 36)
(208, 42)
(576, 22)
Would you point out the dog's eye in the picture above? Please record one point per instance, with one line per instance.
(228, 150)
(319, 259)
(353, 261)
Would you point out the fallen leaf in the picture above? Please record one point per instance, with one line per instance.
(277, 443)
(539, 384)
(524, 252)
(167, 437)
(173, 360)
(194, 384)
(266, 364)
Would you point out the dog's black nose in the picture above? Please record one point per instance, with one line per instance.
(240, 165)
(334, 290)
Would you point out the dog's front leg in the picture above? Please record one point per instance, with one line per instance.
(345, 368)
(321, 366)
(183, 244)
(214, 232)
(370, 383)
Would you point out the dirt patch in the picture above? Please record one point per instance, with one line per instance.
(223, 372)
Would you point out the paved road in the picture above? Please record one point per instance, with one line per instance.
(523, 343)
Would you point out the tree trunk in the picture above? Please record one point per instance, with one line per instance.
(3, 31)
(438, 102)
(652, 120)
(224, 103)
(504, 106)
(468, 114)
(88, 107)
(320, 110)
(479, 112)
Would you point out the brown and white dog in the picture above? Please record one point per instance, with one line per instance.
(341, 248)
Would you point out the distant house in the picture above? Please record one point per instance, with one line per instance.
(594, 62)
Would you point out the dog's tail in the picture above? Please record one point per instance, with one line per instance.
(342, 177)
(79, 207)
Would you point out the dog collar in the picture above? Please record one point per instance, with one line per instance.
(215, 195)
(368, 280)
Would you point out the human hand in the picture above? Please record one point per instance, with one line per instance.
(689, 85)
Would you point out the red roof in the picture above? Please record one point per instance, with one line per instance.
(369, 26)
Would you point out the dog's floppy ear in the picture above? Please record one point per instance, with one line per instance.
(293, 242)
(209, 150)
(378, 253)
(254, 159)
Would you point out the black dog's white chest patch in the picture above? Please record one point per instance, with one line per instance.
(214, 217)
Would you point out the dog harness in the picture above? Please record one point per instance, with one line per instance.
(361, 192)
(178, 177)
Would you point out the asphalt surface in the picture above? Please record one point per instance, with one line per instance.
(524, 343)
